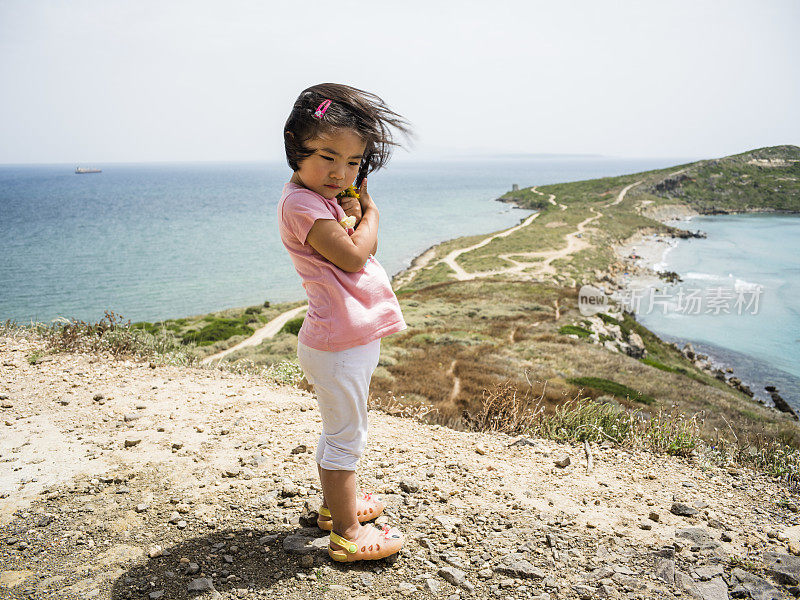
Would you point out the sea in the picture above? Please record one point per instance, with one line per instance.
(739, 298)
(153, 241)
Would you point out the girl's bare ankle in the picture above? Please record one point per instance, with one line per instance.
(350, 533)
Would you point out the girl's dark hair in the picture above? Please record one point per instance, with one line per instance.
(350, 108)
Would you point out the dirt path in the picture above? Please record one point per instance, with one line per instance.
(267, 331)
(623, 192)
(574, 243)
(450, 259)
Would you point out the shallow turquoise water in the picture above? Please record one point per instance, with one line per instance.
(741, 255)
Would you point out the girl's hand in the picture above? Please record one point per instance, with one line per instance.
(364, 198)
(351, 207)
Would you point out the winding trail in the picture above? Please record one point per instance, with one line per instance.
(575, 243)
(461, 274)
(267, 331)
(623, 192)
(456, 383)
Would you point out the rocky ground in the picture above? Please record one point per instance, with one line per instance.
(134, 480)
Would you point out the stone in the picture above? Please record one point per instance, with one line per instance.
(517, 565)
(687, 585)
(202, 584)
(409, 486)
(452, 575)
(699, 536)
(708, 572)
(447, 522)
(756, 587)
(783, 567)
(682, 510)
(406, 588)
(715, 589)
(665, 570)
(305, 541)
(10, 579)
(121, 553)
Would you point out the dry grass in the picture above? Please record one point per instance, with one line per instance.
(115, 340)
(505, 409)
(110, 335)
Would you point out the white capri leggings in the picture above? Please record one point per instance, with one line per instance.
(341, 382)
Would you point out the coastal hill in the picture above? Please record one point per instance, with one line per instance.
(767, 179)
(526, 449)
(502, 308)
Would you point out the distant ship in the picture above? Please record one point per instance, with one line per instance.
(82, 170)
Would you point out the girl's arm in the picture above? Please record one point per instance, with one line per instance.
(348, 252)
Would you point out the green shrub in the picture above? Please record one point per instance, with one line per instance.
(423, 338)
(574, 330)
(220, 329)
(654, 363)
(611, 387)
(145, 326)
(293, 325)
(607, 319)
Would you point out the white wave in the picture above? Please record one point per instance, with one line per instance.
(702, 276)
(662, 264)
(741, 284)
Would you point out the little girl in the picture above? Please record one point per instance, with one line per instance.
(334, 133)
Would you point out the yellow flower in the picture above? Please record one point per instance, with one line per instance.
(348, 192)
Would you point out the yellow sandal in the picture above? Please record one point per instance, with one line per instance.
(384, 542)
(363, 513)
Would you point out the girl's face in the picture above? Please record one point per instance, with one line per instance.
(334, 164)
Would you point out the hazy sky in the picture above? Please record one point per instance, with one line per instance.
(89, 82)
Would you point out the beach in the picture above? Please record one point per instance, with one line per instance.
(643, 256)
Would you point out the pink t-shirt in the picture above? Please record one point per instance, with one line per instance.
(344, 309)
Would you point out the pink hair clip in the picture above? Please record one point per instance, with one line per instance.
(322, 108)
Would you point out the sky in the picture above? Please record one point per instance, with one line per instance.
(99, 81)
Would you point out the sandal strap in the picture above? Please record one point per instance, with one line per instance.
(351, 547)
(325, 512)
